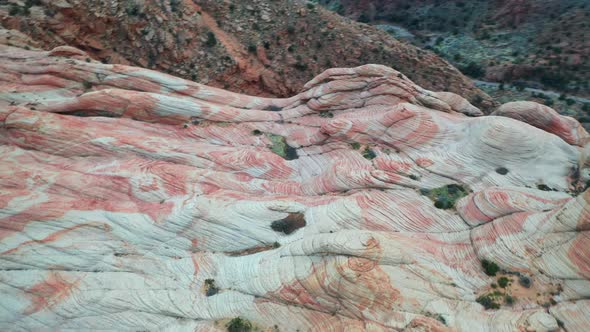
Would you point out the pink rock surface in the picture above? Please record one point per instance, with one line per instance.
(135, 200)
(546, 118)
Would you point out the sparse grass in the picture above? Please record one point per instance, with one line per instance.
(445, 197)
(281, 148)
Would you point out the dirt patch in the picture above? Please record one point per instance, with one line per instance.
(513, 289)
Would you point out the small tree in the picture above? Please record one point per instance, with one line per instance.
(211, 39)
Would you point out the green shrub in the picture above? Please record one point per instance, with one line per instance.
(256, 132)
(14, 10)
(488, 301)
(502, 170)
(503, 282)
(490, 268)
(473, 69)
(174, 5)
(525, 281)
(369, 154)
(509, 300)
(211, 39)
(210, 287)
(355, 145)
(544, 187)
(239, 324)
(445, 197)
(438, 317)
(301, 66)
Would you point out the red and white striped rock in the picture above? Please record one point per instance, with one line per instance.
(546, 118)
(124, 191)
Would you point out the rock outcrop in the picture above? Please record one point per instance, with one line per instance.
(136, 200)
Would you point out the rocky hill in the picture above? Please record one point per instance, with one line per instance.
(537, 43)
(134, 200)
(265, 48)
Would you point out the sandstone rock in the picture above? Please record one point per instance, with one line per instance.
(136, 200)
(544, 117)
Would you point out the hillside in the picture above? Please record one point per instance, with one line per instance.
(266, 48)
(536, 43)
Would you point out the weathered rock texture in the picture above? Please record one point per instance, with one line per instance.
(135, 200)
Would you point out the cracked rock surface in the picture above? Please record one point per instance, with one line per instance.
(135, 200)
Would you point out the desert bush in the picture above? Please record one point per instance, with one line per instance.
(490, 268)
(239, 324)
(503, 282)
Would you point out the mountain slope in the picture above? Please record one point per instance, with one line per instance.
(254, 47)
(537, 43)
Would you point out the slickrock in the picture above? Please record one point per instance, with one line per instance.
(136, 200)
(546, 118)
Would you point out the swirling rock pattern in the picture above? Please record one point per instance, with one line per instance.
(135, 200)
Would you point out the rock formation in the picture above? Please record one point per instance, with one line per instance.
(263, 48)
(135, 200)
